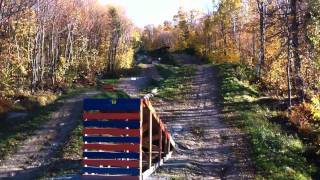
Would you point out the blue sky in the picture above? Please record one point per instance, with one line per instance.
(144, 12)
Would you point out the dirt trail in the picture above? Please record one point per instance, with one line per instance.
(35, 152)
(207, 147)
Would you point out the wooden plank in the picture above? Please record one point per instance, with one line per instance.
(145, 127)
(96, 139)
(111, 116)
(112, 124)
(111, 104)
(111, 171)
(113, 147)
(112, 163)
(110, 131)
(110, 155)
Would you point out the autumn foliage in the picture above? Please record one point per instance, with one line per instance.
(53, 45)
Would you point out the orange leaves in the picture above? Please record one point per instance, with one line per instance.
(302, 116)
(5, 105)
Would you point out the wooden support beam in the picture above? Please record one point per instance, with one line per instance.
(145, 127)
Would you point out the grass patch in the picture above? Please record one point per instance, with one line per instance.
(173, 85)
(107, 81)
(114, 95)
(276, 154)
(14, 131)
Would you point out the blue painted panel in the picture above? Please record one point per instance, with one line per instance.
(111, 105)
(110, 155)
(111, 139)
(112, 171)
(113, 124)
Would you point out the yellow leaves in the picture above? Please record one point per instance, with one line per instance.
(305, 114)
(315, 109)
(301, 116)
(232, 56)
(22, 70)
(126, 59)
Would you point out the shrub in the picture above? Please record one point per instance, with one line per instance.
(306, 115)
(5, 105)
(45, 98)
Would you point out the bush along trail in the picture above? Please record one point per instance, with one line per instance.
(276, 153)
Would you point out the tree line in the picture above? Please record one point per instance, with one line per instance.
(52, 44)
(278, 39)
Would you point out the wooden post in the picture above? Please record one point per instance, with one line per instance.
(150, 138)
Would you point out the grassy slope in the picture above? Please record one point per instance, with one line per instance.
(276, 154)
(173, 84)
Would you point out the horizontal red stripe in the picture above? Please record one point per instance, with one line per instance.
(113, 147)
(113, 116)
(114, 132)
(112, 163)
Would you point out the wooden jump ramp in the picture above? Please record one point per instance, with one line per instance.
(123, 139)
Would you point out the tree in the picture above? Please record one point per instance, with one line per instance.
(262, 8)
(53, 44)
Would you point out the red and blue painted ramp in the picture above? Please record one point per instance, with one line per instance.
(123, 139)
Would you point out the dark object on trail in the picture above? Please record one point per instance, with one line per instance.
(109, 88)
(164, 55)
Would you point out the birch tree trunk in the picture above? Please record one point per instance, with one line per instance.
(262, 25)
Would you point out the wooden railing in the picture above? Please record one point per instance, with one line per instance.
(123, 139)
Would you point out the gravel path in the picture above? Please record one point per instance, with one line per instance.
(207, 147)
(35, 152)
